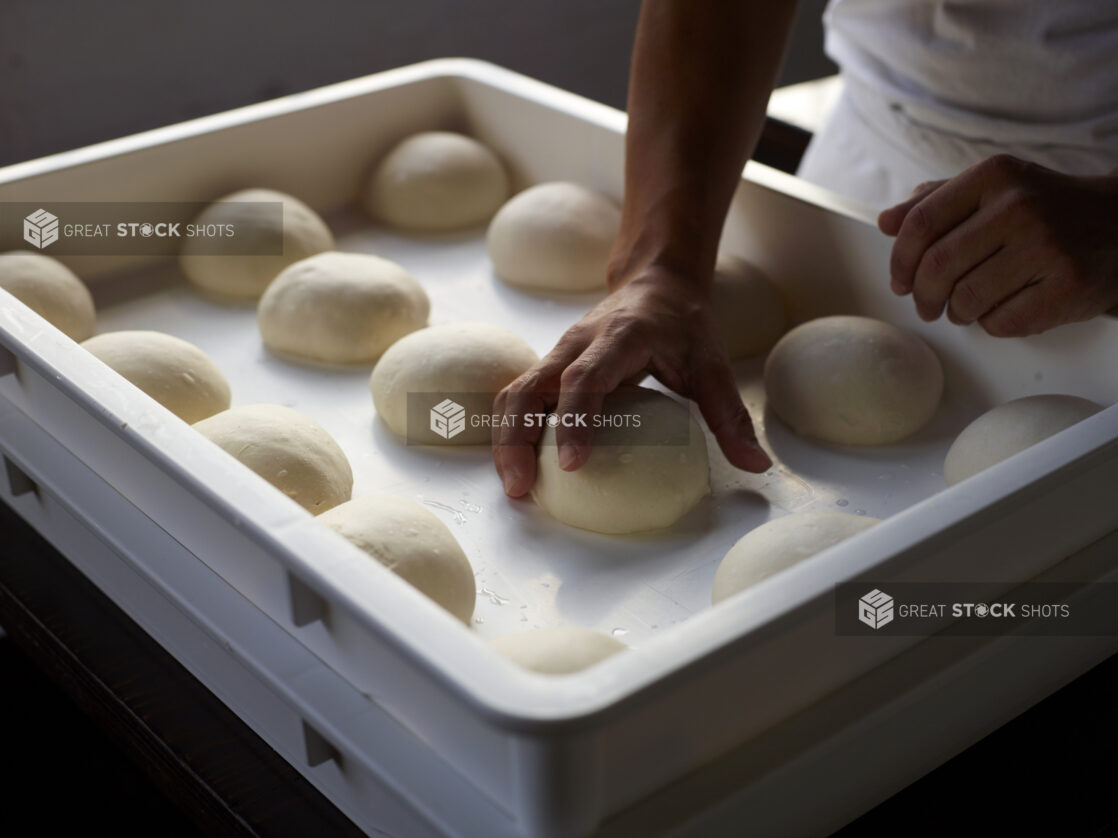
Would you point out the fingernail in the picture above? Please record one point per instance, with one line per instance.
(567, 456)
(509, 480)
(898, 288)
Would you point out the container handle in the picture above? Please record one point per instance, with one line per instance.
(307, 605)
(318, 748)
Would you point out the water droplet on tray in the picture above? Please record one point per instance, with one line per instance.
(459, 518)
(619, 632)
(842, 502)
(494, 597)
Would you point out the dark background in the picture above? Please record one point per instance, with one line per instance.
(74, 72)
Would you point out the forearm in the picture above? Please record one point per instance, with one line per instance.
(701, 76)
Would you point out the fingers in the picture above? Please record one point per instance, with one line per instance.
(987, 285)
(889, 221)
(953, 256)
(943, 209)
(514, 439)
(928, 221)
(1032, 310)
(716, 394)
(584, 385)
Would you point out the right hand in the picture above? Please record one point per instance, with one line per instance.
(655, 322)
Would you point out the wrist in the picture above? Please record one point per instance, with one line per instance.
(678, 259)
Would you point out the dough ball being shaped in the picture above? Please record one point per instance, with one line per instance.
(853, 381)
(341, 308)
(781, 543)
(465, 362)
(747, 307)
(244, 276)
(636, 479)
(437, 180)
(292, 452)
(1014, 426)
(558, 650)
(49, 289)
(413, 543)
(177, 374)
(554, 237)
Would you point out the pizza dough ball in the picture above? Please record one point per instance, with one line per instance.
(49, 289)
(468, 363)
(637, 478)
(341, 308)
(244, 275)
(436, 181)
(292, 452)
(853, 381)
(781, 543)
(413, 543)
(558, 650)
(747, 307)
(554, 237)
(1014, 426)
(177, 374)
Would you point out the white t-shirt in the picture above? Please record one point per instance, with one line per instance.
(933, 86)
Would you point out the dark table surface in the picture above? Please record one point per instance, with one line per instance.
(128, 741)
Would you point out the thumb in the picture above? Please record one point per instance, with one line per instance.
(889, 221)
(718, 399)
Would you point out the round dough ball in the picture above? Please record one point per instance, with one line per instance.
(1014, 426)
(636, 479)
(413, 543)
(853, 381)
(244, 276)
(49, 289)
(465, 362)
(554, 237)
(292, 452)
(435, 181)
(558, 650)
(747, 307)
(177, 374)
(781, 543)
(341, 308)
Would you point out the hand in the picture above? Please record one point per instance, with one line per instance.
(1011, 245)
(658, 323)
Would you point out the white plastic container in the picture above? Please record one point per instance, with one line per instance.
(364, 684)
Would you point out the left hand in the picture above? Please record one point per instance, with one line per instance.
(1013, 246)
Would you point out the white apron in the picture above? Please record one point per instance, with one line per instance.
(934, 86)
